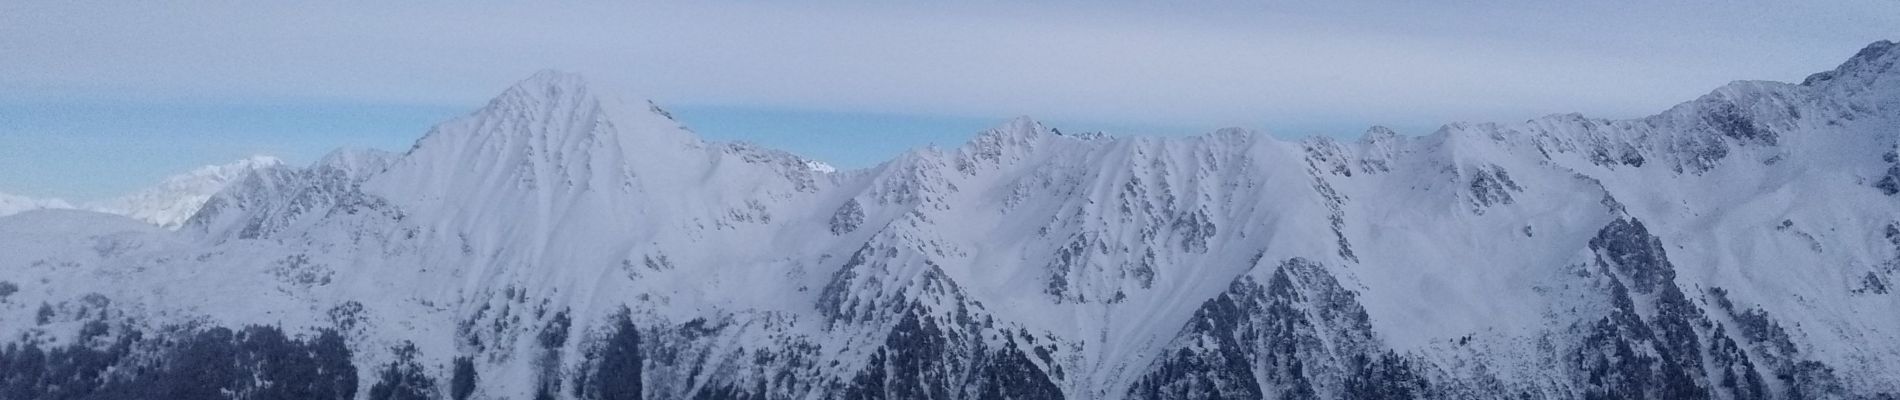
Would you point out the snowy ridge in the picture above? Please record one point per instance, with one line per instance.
(175, 199)
(13, 204)
(167, 204)
(565, 242)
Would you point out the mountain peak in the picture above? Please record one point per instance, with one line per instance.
(1021, 123)
(555, 76)
(208, 179)
(1021, 130)
(173, 201)
(549, 84)
(1010, 140)
(233, 168)
(547, 87)
(1870, 62)
(354, 161)
(552, 104)
(1378, 133)
(552, 132)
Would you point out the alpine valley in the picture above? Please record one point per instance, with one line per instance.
(564, 243)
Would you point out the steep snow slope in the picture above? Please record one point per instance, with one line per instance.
(566, 243)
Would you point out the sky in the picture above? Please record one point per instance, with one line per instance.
(101, 98)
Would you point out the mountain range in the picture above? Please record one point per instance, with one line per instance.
(563, 241)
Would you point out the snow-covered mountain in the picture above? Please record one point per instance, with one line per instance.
(175, 199)
(562, 242)
(15, 204)
(167, 204)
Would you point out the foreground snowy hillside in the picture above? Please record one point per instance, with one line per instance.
(561, 242)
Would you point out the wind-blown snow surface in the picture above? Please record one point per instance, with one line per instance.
(560, 242)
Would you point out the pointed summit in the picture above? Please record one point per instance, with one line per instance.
(557, 102)
(552, 132)
(354, 163)
(1012, 139)
(1377, 134)
(1020, 128)
(1021, 123)
(553, 77)
(547, 86)
(554, 109)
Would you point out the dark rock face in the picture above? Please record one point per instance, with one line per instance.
(847, 218)
(1778, 355)
(1645, 353)
(1729, 120)
(1302, 333)
(1622, 356)
(1491, 185)
(1187, 374)
(1889, 183)
(1626, 247)
(910, 364)
(1872, 283)
(462, 380)
(922, 357)
(614, 366)
(256, 362)
(1009, 374)
(1299, 334)
(1388, 376)
(939, 345)
(1673, 348)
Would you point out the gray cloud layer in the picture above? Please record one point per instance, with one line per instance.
(1212, 63)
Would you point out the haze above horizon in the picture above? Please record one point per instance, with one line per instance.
(98, 99)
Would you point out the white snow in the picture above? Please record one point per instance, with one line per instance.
(591, 202)
(175, 199)
(167, 204)
(15, 204)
